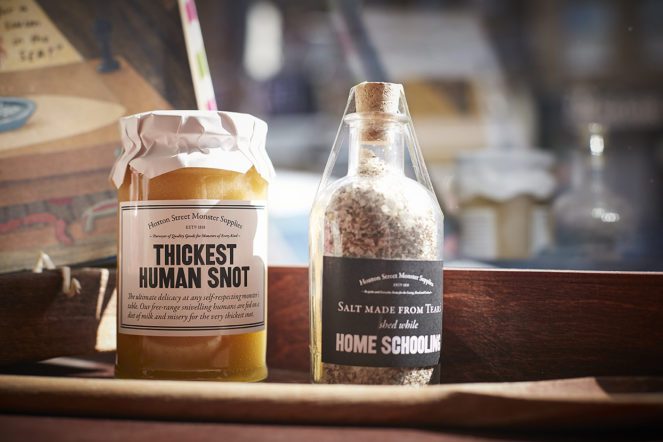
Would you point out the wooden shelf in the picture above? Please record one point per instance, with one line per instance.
(511, 341)
(499, 325)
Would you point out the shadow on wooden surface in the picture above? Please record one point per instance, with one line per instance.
(38, 321)
(499, 325)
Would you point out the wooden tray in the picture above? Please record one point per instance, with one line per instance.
(583, 403)
(500, 327)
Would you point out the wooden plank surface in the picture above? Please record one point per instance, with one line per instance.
(499, 325)
(38, 321)
(574, 404)
(503, 325)
(55, 429)
(508, 325)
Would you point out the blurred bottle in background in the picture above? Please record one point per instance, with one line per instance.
(591, 221)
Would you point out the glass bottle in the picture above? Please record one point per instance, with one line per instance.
(590, 219)
(376, 252)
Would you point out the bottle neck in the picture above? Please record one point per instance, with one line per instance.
(376, 147)
(595, 160)
(596, 169)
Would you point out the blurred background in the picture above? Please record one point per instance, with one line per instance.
(541, 122)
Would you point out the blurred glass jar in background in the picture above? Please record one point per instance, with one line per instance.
(504, 201)
(591, 221)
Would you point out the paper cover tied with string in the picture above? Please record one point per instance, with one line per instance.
(158, 142)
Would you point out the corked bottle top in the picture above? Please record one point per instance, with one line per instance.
(377, 97)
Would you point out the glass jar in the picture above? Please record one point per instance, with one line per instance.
(503, 199)
(191, 261)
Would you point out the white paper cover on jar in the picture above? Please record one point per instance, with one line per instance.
(157, 142)
(499, 175)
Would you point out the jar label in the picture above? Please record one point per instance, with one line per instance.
(192, 267)
(381, 313)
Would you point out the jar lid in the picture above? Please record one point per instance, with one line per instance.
(157, 142)
(500, 175)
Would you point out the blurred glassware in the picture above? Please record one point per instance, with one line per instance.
(591, 221)
(503, 197)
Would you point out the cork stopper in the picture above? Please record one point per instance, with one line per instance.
(377, 97)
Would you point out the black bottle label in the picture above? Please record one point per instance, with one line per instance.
(381, 312)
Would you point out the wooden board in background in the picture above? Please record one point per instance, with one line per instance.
(499, 325)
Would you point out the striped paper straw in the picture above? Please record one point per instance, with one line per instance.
(195, 48)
